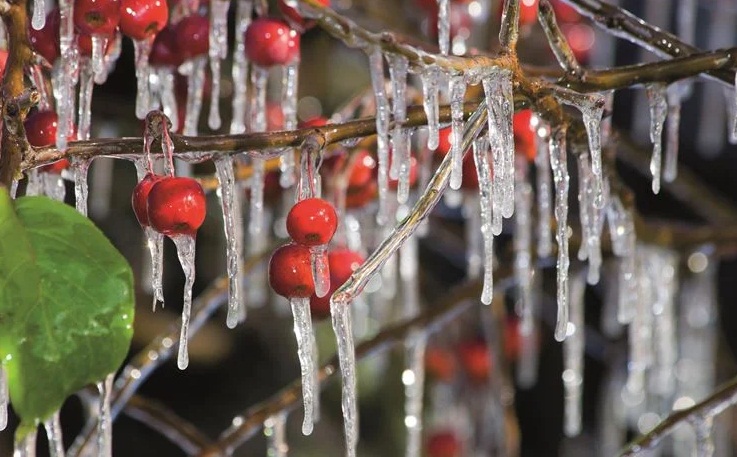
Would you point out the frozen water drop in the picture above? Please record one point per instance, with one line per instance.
(343, 328)
(39, 14)
(483, 172)
(54, 436)
(523, 263)
(674, 97)
(320, 269)
(229, 200)
(86, 85)
(400, 167)
(307, 352)
(544, 197)
(573, 358)
(218, 41)
(558, 157)
(168, 98)
(444, 26)
(99, 44)
(656, 94)
(376, 66)
(244, 10)
(186, 252)
(430, 88)
(457, 94)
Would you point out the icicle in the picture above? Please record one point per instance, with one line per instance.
(457, 94)
(54, 436)
(27, 447)
(376, 66)
(39, 82)
(640, 329)
(499, 99)
(155, 245)
(473, 235)
(99, 44)
(529, 349)
(3, 399)
(39, 14)
(275, 429)
(13, 188)
(86, 84)
(656, 94)
(168, 98)
(704, 428)
(320, 271)
(218, 41)
(65, 74)
(444, 26)
(590, 218)
(622, 232)
(290, 80)
(413, 379)
(104, 421)
(342, 326)
(523, 239)
(110, 58)
(307, 351)
(195, 87)
(229, 199)
(560, 176)
(674, 97)
(544, 198)
(185, 251)
(259, 79)
(573, 353)
(664, 266)
(142, 50)
(430, 102)
(240, 67)
(483, 172)
(401, 154)
(80, 167)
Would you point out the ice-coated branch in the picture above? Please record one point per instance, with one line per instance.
(509, 31)
(556, 39)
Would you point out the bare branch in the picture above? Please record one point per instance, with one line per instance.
(509, 31)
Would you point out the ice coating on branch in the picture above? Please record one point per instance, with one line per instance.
(154, 243)
(244, 10)
(48, 184)
(195, 71)
(656, 94)
(86, 84)
(457, 93)
(500, 102)
(142, 50)
(105, 420)
(483, 172)
(622, 233)
(229, 199)
(376, 66)
(54, 436)
(259, 80)
(573, 357)
(674, 97)
(444, 26)
(307, 352)
(3, 398)
(80, 166)
(413, 379)
(558, 164)
(544, 194)
(343, 328)
(275, 429)
(27, 447)
(65, 74)
(430, 101)
(39, 14)
(523, 240)
(290, 79)
(401, 153)
(218, 41)
(186, 252)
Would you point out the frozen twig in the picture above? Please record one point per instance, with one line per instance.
(557, 41)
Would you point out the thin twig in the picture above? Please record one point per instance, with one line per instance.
(558, 42)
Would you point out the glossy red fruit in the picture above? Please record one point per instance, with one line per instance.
(41, 128)
(470, 176)
(290, 271)
(475, 360)
(46, 41)
(140, 19)
(3, 61)
(295, 19)
(312, 222)
(165, 50)
(317, 121)
(271, 42)
(139, 199)
(97, 17)
(176, 206)
(193, 36)
(444, 443)
(440, 363)
(363, 171)
(361, 196)
(524, 134)
(342, 264)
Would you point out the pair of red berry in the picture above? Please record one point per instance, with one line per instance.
(170, 205)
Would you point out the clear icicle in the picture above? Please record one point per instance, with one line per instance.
(3, 399)
(168, 98)
(142, 50)
(39, 14)
(218, 41)
(99, 43)
(343, 328)
(573, 358)
(259, 79)
(656, 94)
(195, 88)
(544, 197)
(457, 94)
(674, 97)
(430, 88)
(664, 269)
(622, 233)
(105, 422)
(590, 216)
(499, 99)
(558, 164)
(80, 167)
(640, 329)
(401, 154)
(529, 349)
(86, 84)
(320, 269)
(444, 26)
(483, 172)
(290, 81)
(185, 251)
(155, 245)
(413, 379)
(376, 66)
(244, 10)
(27, 447)
(275, 429)
(307, 352)
(65, 74)
(523, 239)
(474, 237)
(53, 433)
(110, 58)
(229, 199)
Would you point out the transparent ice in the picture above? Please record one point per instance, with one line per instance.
(657, 99)
(343, 328)
(186, 252)
(457, 94)
(307, 352)
(218, 41)
(558, 157)
(105, 421)
(401, 153)
(194, 69)
(376, 66)
(229, 200)
(290, 80)
(430, 88)
(244, 10)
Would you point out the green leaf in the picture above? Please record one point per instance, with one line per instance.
(66, 305)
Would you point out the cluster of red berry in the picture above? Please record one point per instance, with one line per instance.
(170, 205)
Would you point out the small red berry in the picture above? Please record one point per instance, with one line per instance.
(3, 61)
(440, 363)
(476, 361)
(176, 206)
(524, 134)
(193, 36)
(274, 117)
(41, 128)
(46, 41)
(342, 263)
(317, 121)
(97, 17)
(271, 42)
(312, 222)
(139, 199)
(141, 19)
(444, 443)
(363, 171)
(294, 18)
(290, 271)
(165, 50)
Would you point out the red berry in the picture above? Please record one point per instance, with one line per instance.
(524, 134)
(312, 222)
(274, 117)
(46, 41)
(444, 443)
(41, 128)
(290, 271)
(165, 50)
(3, 61)
(271, 42)
(176, 206)
(476, 361)
(440, 363)
(294, 18)
(363, 171)
(97, 17)
(360, 196)
(139, 199)
(317, 121)
(342, 263)
(193, 36)
(141, 19)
